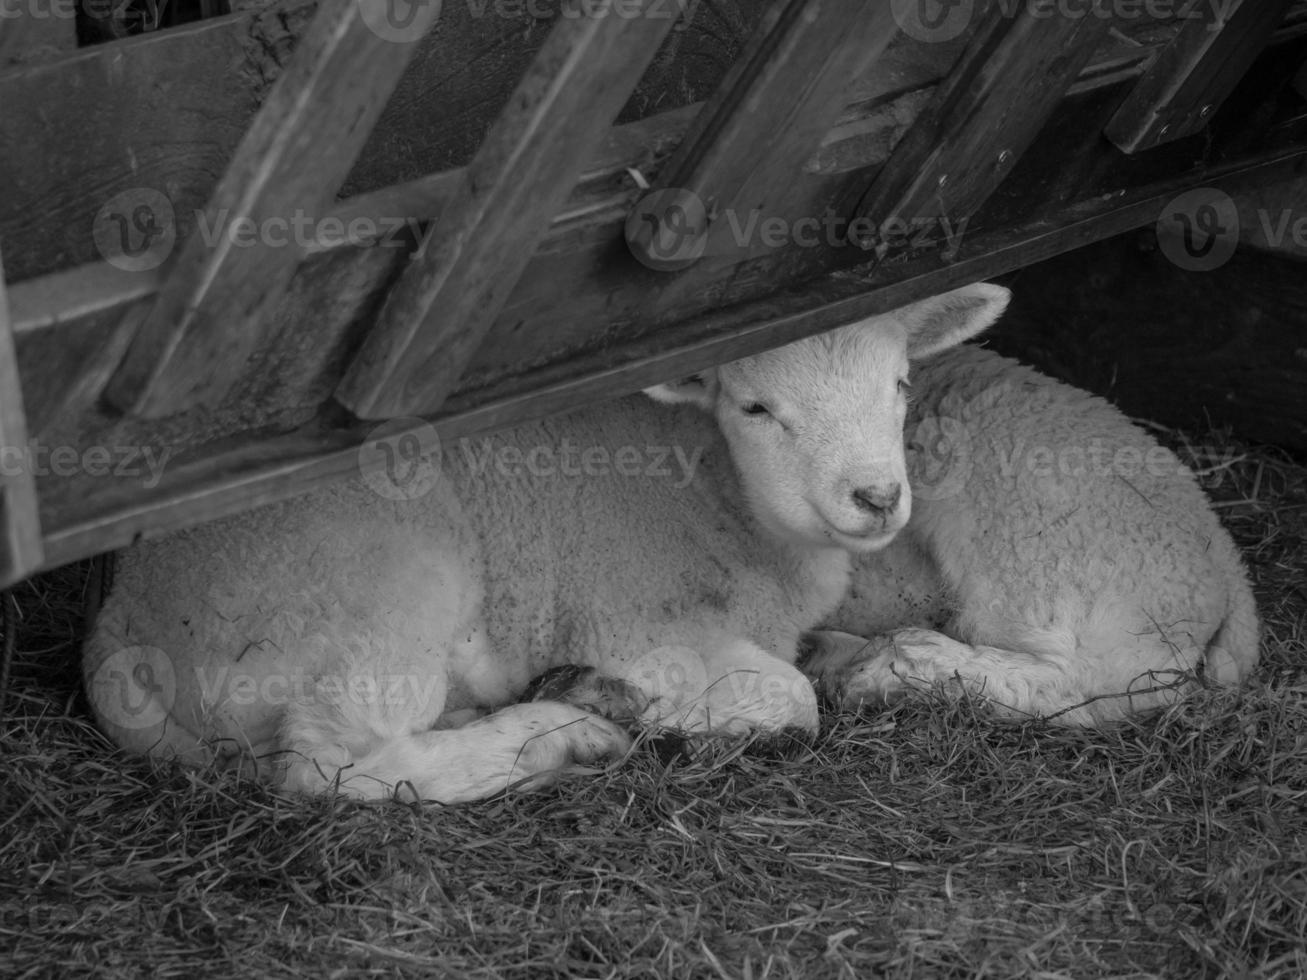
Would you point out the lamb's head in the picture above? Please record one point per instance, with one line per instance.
(816, 428)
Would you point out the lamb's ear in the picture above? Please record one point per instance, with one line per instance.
(947, 320)
(698, 389)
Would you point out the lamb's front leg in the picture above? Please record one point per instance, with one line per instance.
(852, 671)
(729, 686)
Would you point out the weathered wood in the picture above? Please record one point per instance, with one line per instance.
(438, 313)
(970, 135)
(581, 290)
(172, 106)
(1227, 345)
(764, 122)
(36, 30)
(213, 307)
(585, 307)
(1195, 73)
(62, 165)
(241, 475)
(21, 548)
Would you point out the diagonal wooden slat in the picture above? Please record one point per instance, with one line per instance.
(982, 118)
(763, 123)
(449, 295)
(1195, 73)
(249, 473)
(21, 551)
(208, 317)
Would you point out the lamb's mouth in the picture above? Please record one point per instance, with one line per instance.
(861, 541)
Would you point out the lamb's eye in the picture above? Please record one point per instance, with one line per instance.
(755, 408)
(904, 385)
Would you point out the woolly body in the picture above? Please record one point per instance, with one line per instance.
(1073, 557)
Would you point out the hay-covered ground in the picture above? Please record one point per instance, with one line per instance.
(922, 841)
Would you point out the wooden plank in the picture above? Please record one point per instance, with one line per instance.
(584, 293)
(969, 137)
(437, 314)
(579, 291)
(61, 164)
(36, 30)
(211, 313)
(1195, 73)
(764, 122)
(170, 108)
(21, 548)
(244, 475)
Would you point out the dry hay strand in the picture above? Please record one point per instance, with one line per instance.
(927, 839)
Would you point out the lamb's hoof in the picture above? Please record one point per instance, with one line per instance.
(585, 688)
(851, 672)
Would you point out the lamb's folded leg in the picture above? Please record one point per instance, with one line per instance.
(522, 745)
(852, 671)
(734, 688)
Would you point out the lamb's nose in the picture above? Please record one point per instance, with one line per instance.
(879, 499)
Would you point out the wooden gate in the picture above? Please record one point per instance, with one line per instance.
(235, 245)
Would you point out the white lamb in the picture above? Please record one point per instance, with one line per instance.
(344, 639)
(1071, 566)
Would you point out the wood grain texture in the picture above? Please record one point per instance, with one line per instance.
(238, 474)
(585, 310)
(581, 292)
(230, 273)
(172, 106)
(1194, 74)
(21, 548)
(971, 134)
(768, 118)
(448, 297)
